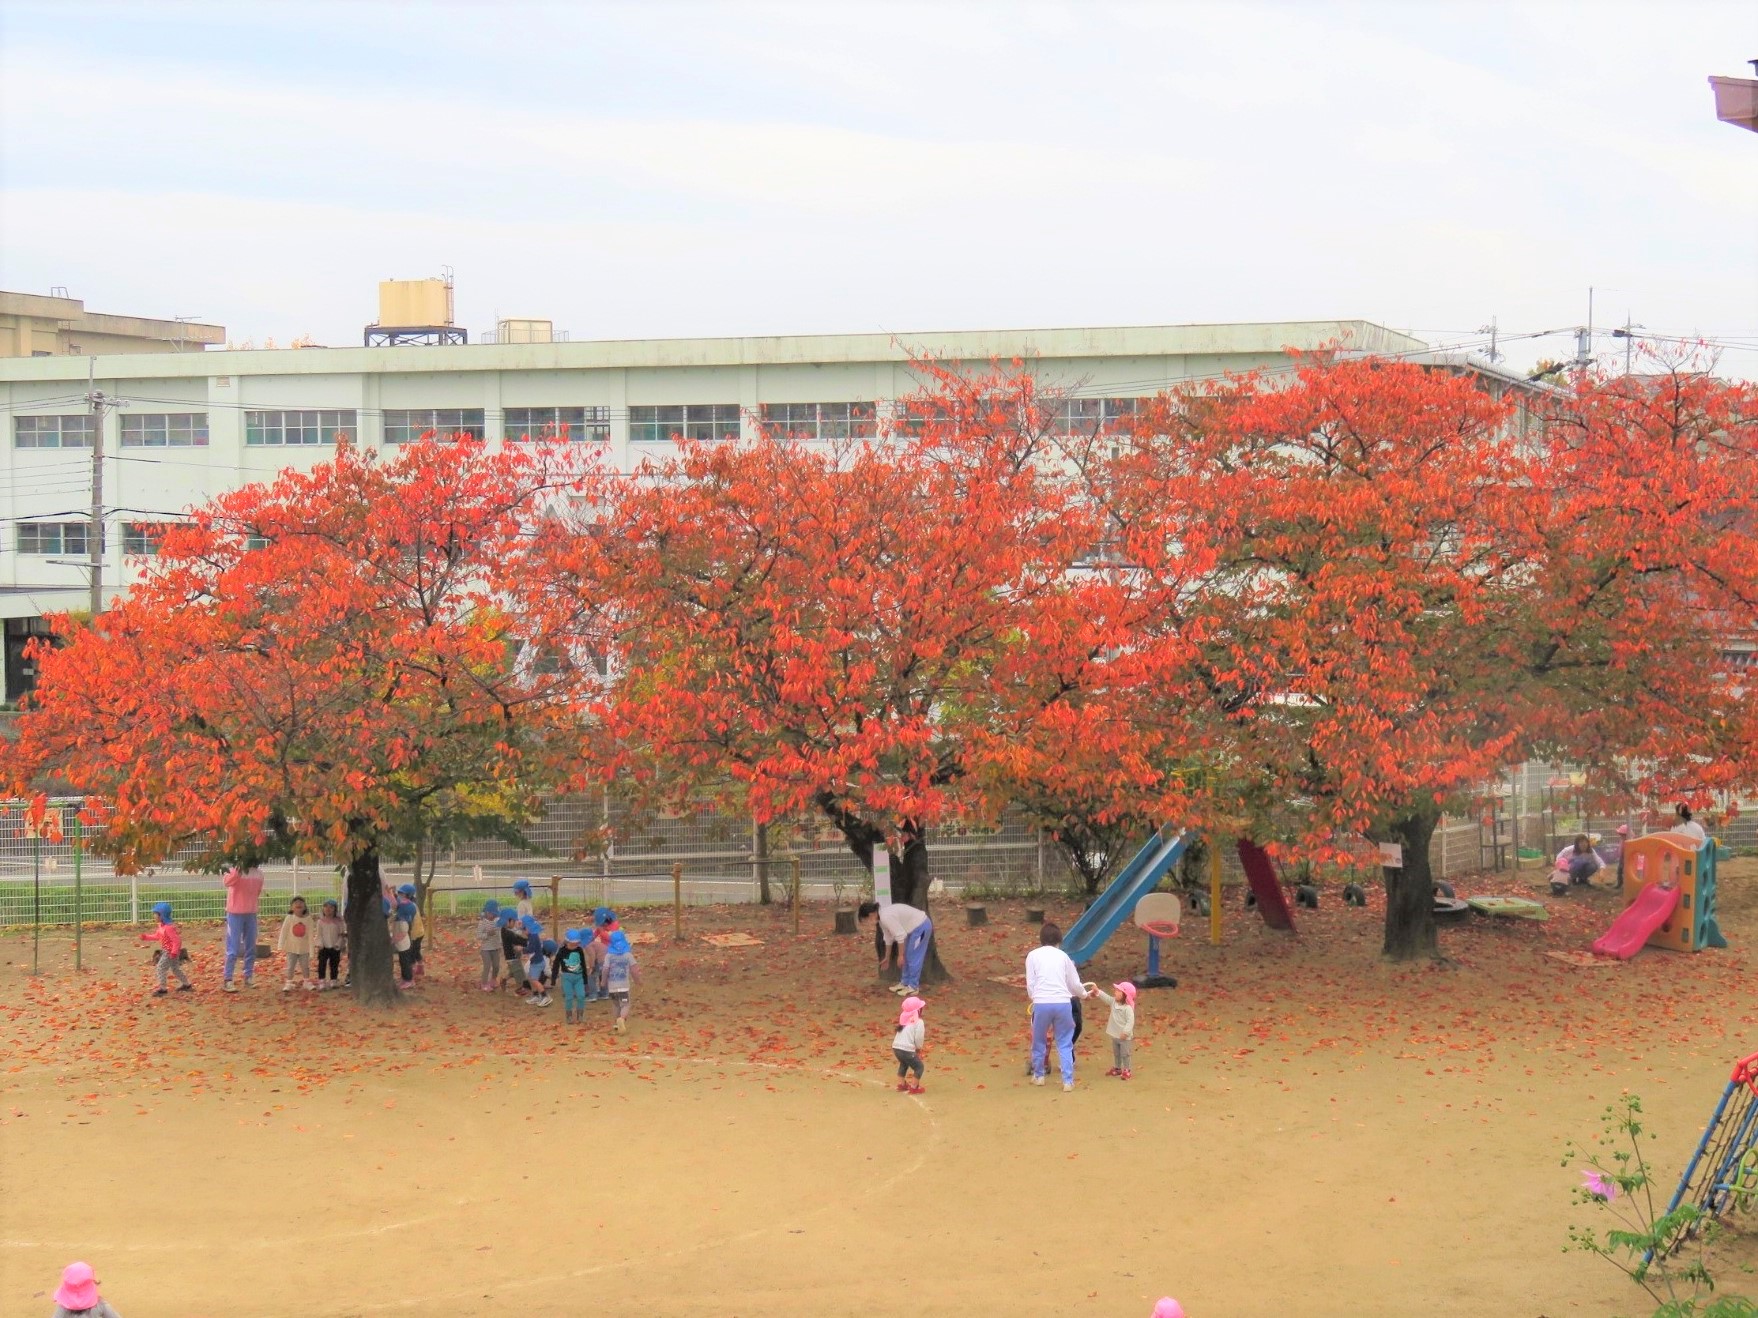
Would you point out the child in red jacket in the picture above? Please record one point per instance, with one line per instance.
(170, 955)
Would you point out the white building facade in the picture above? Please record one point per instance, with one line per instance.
(186, 427)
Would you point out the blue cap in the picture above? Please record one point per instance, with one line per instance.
(505, 918)
(602, 916)
(491, 907)
(407, 890)
(163, 911)
(406, 911)
(619, 942)
(531, 923)
(522, 887)
(575, 935)
(549, 947)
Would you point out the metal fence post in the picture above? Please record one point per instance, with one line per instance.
(134, 899)
(78, 895)
(36, 901)
(677, 900)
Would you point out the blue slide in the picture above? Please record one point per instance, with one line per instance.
(1140, 877)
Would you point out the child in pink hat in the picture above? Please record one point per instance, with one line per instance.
(77, 1295)
(906, 1045)
(1168, 1308)
(1121, 1026)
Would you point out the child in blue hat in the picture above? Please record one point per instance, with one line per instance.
(170, 956)
(522, 890)
(539, 971)
(570, 967)
(604, 924)
(488, 943)
(417, 930)
(619, 977)
(401, 919)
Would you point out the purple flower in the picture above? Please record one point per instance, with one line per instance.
(1599, 1185)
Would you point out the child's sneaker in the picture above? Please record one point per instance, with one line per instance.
(186, 988)
(621, 1024)
(250, 981)
(1037, 1080)
(159, 993)
(917, 1089)
(1126, 1075)
(1116, 1070)
(311, 986)
(903, 1087)
(287, 987)
(1068, 1086)
(405, 984)
(229, 987)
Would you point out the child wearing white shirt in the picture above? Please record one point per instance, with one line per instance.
(1121, 1026)
(906, 1046)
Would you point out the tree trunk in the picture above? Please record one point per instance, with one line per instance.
(909, 881)
(1410, 926)
(909, 884)
(760, 860)
(369, 938)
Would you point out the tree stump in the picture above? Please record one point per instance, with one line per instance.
(975, 913)
(845, 921)
(1034, 915)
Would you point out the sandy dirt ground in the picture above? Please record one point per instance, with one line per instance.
(1308, 1132)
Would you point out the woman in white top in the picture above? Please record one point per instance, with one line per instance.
(1053, 985)
(1689, 826)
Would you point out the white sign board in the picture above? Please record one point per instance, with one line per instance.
(882, 876)
(1391, 855)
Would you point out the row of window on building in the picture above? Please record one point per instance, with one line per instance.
(647, 424)
(74, 538)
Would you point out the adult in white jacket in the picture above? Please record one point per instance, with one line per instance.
(1053, 985)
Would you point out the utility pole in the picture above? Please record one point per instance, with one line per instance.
(100, 404)
(1490, 329)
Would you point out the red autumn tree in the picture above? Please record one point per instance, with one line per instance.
(875, 632)
(1394, 605)
(323, 666)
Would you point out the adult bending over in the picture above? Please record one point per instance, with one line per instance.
(905, 926)
(1054, 986)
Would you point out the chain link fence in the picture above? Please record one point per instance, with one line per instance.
(56, 880)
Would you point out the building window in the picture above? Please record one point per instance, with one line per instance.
(406, 425)
(320, 427)
(1093, 416)
(52, 431)
(54, 538)
(580, 424)
(165, 430)
(254, 541)
(142, 538)
(820, 421)
(655, 425)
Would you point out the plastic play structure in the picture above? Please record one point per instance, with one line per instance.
(1723, 1172)
(1135, 881)
(1158, 914)
(1669, 884)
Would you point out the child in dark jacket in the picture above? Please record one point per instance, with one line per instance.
(513, 942)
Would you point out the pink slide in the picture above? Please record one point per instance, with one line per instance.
(1640, 919)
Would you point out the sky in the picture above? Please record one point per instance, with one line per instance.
(665, 168)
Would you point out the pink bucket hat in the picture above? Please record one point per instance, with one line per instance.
(78, 1289)
(1126, 991)
(912, 1011)
(1168, 1308)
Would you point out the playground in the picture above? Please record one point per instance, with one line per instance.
(1308, 1131)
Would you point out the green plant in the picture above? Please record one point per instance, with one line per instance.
(1646, 1246)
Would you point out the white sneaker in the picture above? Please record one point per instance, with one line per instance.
(1037, 1080)
(229, 987)
(287, 987)
(1068, 1086)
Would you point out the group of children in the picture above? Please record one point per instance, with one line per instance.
(591, 965)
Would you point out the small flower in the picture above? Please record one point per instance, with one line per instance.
(1599, 1185)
